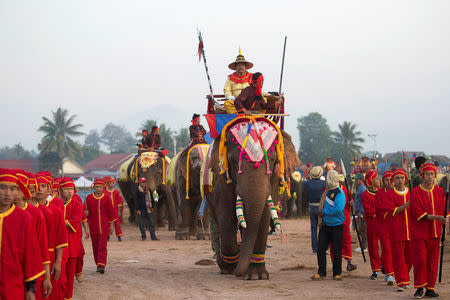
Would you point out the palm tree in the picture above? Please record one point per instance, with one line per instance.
(59, 133)
(349, 137)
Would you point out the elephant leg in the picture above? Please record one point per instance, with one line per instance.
(185, 211)
(168, 200)
(203, 232)
(257, 267)
(193, 209)
(225, 198)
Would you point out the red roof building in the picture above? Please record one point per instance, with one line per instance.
(107, 164)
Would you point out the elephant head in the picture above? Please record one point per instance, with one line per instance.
(252, 182)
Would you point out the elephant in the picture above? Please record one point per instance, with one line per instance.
(252, 184)
(188, 199)
(156, 183)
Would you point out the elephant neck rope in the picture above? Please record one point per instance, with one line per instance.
(223, 148)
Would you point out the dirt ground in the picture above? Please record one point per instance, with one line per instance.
(167, 269)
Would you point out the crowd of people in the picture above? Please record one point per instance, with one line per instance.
(404, 219)
(42, 220)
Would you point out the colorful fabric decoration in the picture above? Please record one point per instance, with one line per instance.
(230, 259)
(148, 159)
(258, 258)
(240, 213)
(273, 213)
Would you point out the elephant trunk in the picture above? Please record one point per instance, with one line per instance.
(254, 199)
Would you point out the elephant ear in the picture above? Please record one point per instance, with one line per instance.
(214, 160)
(291, 159)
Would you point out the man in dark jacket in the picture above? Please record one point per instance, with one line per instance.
(313, 189)
(143, 203)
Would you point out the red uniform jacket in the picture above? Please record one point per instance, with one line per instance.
(56, 228)
(99, 213)
(246, 100)
(368, 200)
(381, 210)
(116, 201)
(73, 214)
(400, 223)
(40, 226)
(427, 202)
(20, 256)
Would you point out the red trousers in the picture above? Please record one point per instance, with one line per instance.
(372, 244)
(426, 258)
(121, 214)
(117, 228)
(386, 253)
(99, 248)
(80, 261)
(403, 252)
(70, 275)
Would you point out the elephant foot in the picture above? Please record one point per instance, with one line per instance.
(255, 272)
(182, 235)
(203, 236)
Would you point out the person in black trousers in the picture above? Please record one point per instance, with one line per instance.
(143, 203)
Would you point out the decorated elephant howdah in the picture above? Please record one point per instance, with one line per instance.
(250, 161)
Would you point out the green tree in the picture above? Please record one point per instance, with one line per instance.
(93, 140)
(166, 134)
(50, 161)
(89, 153)
(59, 134)
(182, 138)
(117, 139)
(349, 137)
(315, 138)
(15, 152)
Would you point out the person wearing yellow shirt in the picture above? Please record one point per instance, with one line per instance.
(237, 81)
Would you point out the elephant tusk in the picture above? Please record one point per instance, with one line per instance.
(273, 213)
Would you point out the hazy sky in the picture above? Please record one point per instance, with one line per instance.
(384, 65)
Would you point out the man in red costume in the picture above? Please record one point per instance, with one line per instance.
(43, 283)
(427, 212)
(56, 230)
(117, 204)
(397, 203)
(80, 257)
(73, 213)
(100, 214)
(368, 199)
(20, 254)
(383, 222)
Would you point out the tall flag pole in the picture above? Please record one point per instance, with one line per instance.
(281, 83)
(201, 53)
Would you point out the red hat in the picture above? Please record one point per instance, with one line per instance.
(11, 176)
(32, 180)
(369, 178)
(427, 167)
(142, 179)
(45, 177)
(109, 179)
(399, 172)
(387, 174)
(99, 181)
(67, 182)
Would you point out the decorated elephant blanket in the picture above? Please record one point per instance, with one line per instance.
(254, 137)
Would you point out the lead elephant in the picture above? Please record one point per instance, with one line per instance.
(252, 182)
(185, 186)
(154, 168)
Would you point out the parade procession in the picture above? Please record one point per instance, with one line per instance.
(224, 181)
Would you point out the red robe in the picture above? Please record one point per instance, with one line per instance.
(81, 252)
(368, 199)
(400, 235)
(73, 213)
(20, 255)
(384, 231)
(40, 225)
(116, 202)
(100, 215)
(426, 233)
(56, 229)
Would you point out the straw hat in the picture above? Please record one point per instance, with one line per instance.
(240, 59)
(316, 172)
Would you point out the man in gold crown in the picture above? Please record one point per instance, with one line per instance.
(237, 81)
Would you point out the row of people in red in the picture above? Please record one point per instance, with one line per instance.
(41, 247)
(408, 226)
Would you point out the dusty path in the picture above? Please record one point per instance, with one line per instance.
(167, 270)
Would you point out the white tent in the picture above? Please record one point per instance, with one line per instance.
(83, 182)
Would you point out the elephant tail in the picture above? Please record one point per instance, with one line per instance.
(240, 213)
(273, 213)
